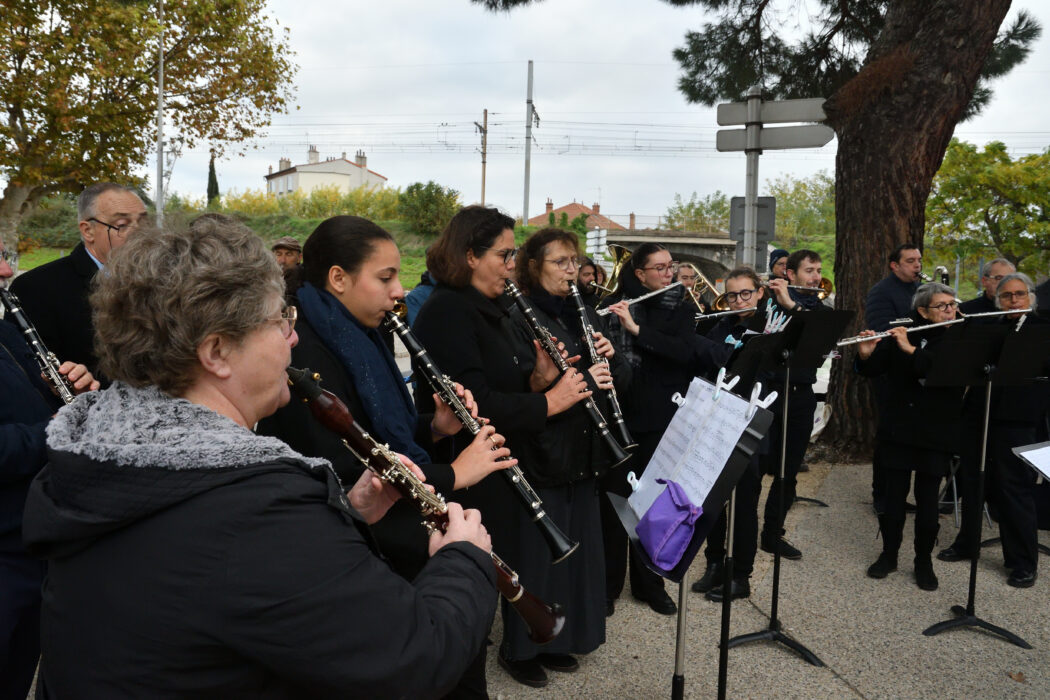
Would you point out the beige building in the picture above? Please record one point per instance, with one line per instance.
(339, 172)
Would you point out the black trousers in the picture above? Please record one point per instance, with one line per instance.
(20, 581)
(801, 407)
(745, 525)
(644, 583)
(966, 481)
(897, 483)
(1018, 519)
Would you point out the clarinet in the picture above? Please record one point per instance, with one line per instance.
(547, 343)
(560, 544)
(544, 621)
(46, 359)
(614, 401)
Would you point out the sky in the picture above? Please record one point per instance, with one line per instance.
(406, 80)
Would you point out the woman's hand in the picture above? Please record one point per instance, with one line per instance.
(463, 526)
(545, 371)
(900, 334)
(867, 347)
(445, 422)
(371, 497)
(479, 460)
(569, 391)
(603, 346)
(79, 377)
(623, 313)
(602, 375)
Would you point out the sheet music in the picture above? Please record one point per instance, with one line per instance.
(695, 447)
(1037, 456)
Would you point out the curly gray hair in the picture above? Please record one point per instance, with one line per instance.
(165, 291)
(924, 294)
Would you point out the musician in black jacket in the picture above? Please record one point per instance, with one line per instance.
(469, 334)
(918, 431)
(992, 273)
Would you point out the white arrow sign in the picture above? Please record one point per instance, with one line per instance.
(807, 110)
(809, 136)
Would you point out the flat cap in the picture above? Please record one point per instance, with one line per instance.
(288, 243)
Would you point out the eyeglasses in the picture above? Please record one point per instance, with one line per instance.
(121, 230)
(997, 278)
(743, 295)
(663, 267)
(1007, 296)
(565, 264)
(943, 307)
(287, 320)
(9, 257)
(506, 253)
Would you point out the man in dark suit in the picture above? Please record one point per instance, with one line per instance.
(55, 296)
(890, 298)
(992, 274)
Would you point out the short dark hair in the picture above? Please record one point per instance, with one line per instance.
(472, 228)
(745, 271)
(534, 249)
(895, 254)
(796, 258)
(346, 241)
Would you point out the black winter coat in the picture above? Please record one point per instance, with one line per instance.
(55, 299)
(887, 300)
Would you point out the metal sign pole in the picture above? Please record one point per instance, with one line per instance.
(752, 151)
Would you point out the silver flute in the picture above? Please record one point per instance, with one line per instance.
(885, 334)
(46, 359)
(606, 312)
(719, 314)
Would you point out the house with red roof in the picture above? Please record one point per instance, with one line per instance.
(594, 216)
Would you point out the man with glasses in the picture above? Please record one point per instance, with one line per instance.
(55, 296)
(992, 273)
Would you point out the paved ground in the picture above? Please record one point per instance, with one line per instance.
(869, 633)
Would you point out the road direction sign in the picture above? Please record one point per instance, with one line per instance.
(808, 136)
(810, 109)
(767, 213)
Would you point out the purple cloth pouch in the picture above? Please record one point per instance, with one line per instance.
(667, 527)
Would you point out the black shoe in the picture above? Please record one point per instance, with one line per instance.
(562, 663)
(946, 507)
(909, 507)
(883, 566)
(660, 602)
(1019, 578)
(712, 577)
(953, 553)
(528, 672)
(738, 588)
(610, 607)
(787, 550)
(924, 576)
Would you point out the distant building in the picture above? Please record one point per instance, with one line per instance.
(594, 216)
(339, 172)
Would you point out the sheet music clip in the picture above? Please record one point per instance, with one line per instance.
(633, 481)
(721, 383)
(755, 403)
(678, 399)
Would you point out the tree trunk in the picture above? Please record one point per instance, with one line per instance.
(894, 121)
(15, 203)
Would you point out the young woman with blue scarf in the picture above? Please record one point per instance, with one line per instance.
(351, 270)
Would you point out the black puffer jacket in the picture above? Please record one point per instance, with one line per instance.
(189, 557)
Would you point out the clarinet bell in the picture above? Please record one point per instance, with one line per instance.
(560, 544)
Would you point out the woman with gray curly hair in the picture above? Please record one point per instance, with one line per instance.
(190, 557)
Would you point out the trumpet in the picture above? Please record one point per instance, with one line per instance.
(606, 312)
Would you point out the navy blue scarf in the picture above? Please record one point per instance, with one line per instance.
(371, 367)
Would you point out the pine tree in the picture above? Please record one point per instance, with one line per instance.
(213, 182)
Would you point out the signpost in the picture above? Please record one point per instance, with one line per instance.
(753, 139)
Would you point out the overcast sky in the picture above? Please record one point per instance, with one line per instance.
(405, 80)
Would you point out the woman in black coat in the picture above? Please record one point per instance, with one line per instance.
(470, 336)
(352, 280)
(918, 432)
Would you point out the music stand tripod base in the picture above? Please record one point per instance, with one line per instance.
(814, 501)
(968, 619)
(775, 635)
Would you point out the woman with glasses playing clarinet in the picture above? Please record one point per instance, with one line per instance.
(918, 432)
(466, 328)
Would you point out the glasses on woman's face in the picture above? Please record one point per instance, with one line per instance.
(943, 307)
(564, 264)
(663, 267)
(287, 321)
(742, 295)
(506, 253)
(1007, 296)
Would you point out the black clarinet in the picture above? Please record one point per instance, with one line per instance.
(560, 544)
(46, 359)
(614, 402)
(551, 348)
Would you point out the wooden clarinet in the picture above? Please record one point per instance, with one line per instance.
(46, 359)
(544, 621)
(541, 334)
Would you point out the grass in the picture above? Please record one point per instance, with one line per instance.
(39, 256)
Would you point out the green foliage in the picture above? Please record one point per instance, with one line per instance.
(805, 216)
(53, 223)
(702, 214)
(428, 208)
(370, 202)
(213, 182)
(985, 205)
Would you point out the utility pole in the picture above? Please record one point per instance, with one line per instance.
(529, 112)
(484, 129)
(160, 119)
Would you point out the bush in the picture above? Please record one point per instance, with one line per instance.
(53, 224)
(428, 208)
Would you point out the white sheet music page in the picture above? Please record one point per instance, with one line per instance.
(1037, 455)
(695, 447)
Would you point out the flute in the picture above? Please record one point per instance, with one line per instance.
(544, 621)
(46, 359)
(560, 544)
(701, 317)
(606, 312)
(588, 337)
(547, 342)
(885, 334)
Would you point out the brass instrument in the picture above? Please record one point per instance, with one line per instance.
(620, 256)
(700, 286)
(941, 271)
(823, 291)
(45, 359)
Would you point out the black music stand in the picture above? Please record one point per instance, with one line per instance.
(972, 356)
(722, 490)
(803, 344)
